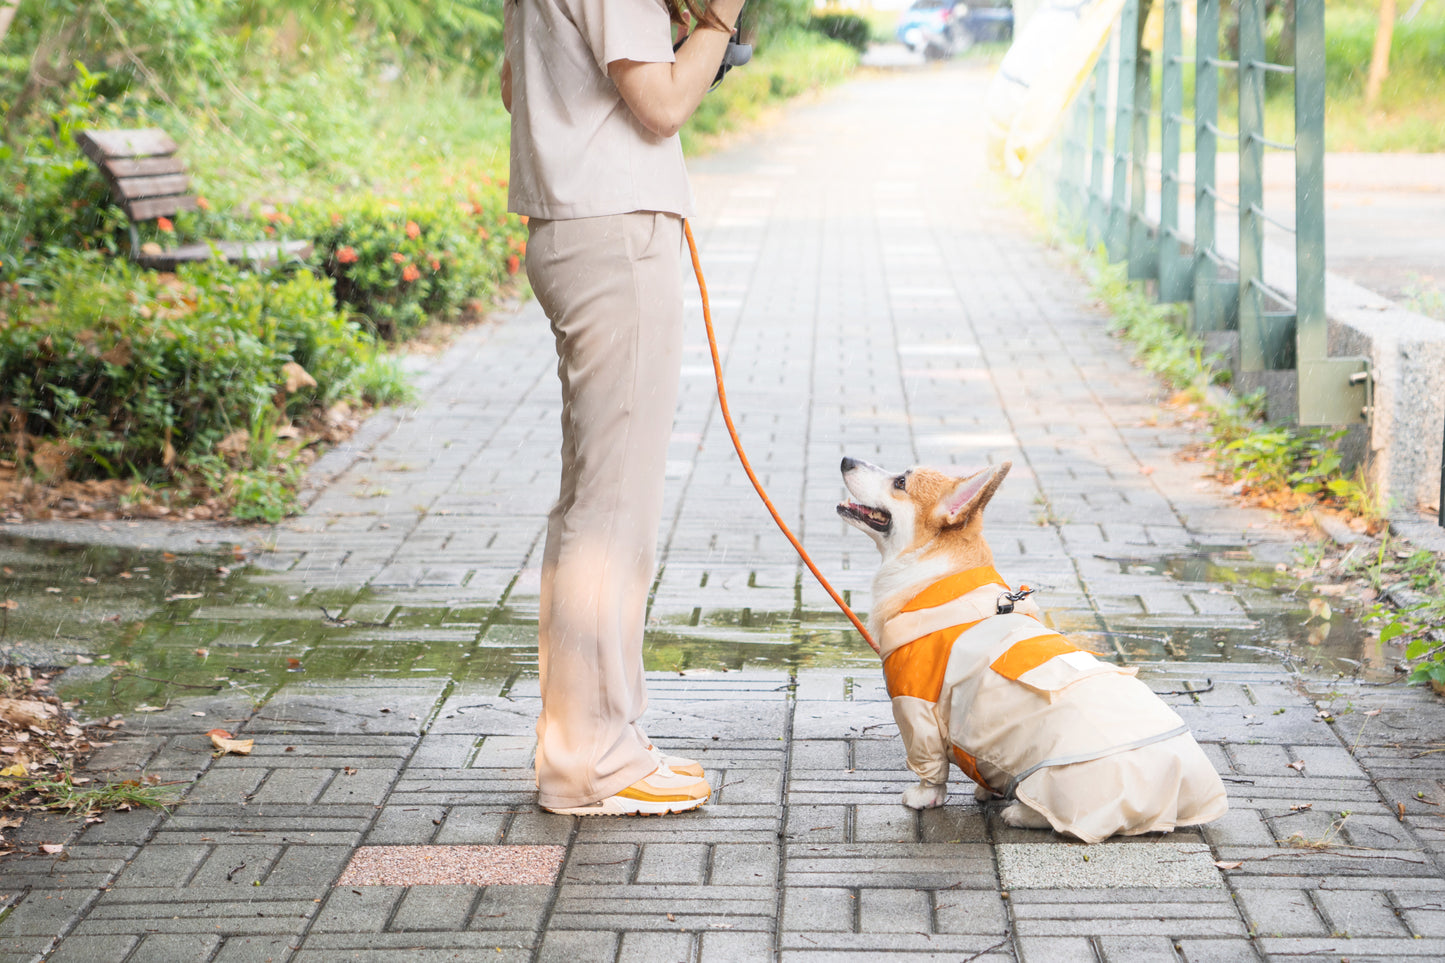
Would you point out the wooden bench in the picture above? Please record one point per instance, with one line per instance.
(148, 181)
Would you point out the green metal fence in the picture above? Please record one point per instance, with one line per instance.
(1108, 139)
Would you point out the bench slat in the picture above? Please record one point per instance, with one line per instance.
(103, 145)
(154, 207)
(142, 167)
(256, 253)
(133, 188)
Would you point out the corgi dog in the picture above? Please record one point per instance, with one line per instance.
(1077, 744)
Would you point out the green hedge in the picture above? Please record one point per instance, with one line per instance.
(141, 375)
(849, 28)
(398, 263)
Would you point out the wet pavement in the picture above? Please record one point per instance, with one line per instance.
(876, 295)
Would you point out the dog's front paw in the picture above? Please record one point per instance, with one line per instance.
(924, 796)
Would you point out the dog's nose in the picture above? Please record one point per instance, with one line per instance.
(848, 465)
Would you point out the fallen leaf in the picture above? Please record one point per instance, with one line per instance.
(1301, 807)
(223, 741)
(197, 713)
(52, 848)
(203, 652)
(150, 708)
(293, 663)
(10, 605)
(14, 772)
(1223, 865)
(1146, 469)
(1320, 609)
(1298, 765)
(671, 918)
(10, 822)
(26, 712)
(1372, 712)
(180, 596)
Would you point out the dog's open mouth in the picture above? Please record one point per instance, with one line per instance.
(875, 518)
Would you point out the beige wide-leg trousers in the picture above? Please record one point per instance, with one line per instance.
(612, 290)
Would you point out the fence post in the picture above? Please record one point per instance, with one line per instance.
(1332, 391)
(1209, 315)
(1175, 283)
(1265, 343)
(1143, 251)
(1117, 237)
(1097, 218)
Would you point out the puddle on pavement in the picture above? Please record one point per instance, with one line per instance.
(142, 628)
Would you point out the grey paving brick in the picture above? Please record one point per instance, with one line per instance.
(1054, 949)
(511, 908)
(567, 946)
(673, 863)
(434, 908)
(357, 909)
(308, 865)
(1137, 949)
(809, 909)
(658, 947)
(894, 911)
(90, 949)
(1282, 913)
(174, 948)
(479, 825)
(256, 949)
(969, 911)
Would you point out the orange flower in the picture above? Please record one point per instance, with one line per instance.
(270, 230)
(398, 257)
(346, 255)
(514, 264)
(410, 273)
(203, 204)
(522, 249)
(164, 223)
(436, 265)
(335, 217)
(484, 234)
(524, 219)
(413, 230)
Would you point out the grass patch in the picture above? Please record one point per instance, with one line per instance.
(1289, 469)
(76, 796)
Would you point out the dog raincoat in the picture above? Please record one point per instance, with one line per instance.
(1026, 714)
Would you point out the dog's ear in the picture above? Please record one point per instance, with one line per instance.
(971, 494)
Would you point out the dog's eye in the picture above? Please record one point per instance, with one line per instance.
(901, 483)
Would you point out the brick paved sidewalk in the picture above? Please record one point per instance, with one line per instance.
(876, 297)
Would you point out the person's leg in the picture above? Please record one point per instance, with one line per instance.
(612, 289)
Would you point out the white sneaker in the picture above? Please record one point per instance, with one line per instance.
(678, 764)
(657, 794)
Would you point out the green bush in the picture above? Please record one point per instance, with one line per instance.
(140, 375)
(849, 28)
(397, 264)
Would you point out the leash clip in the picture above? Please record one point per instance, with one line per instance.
(1006, 601)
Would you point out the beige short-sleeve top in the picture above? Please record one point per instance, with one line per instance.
(577, 148)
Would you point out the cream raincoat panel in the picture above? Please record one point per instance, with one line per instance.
(1025, 713)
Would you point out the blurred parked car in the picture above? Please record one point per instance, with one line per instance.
(943, 28)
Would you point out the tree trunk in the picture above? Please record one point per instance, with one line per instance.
(1380, 60)
(8, 9)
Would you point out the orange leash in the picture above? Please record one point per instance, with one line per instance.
(722, 397)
